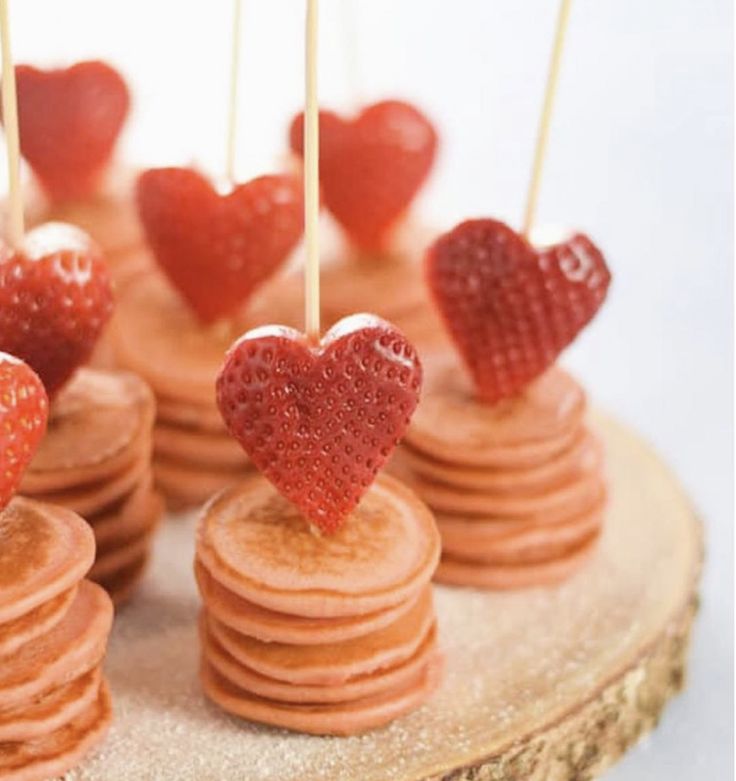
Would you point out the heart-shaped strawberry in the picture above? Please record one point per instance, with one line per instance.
(217, 249)
(55, 298)
(372, 166)
(510, 308)
(69, 120)
(320, 421)
(24, 411)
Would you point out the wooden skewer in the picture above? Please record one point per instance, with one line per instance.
(15, 226)
(311, 176)
(546, 117)
(232, 125)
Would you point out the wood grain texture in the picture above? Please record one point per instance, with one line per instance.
(548, 684)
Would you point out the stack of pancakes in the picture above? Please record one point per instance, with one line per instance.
(516, 487)
(156, 335)
(327, 635)
(96, 461)
(54, 701)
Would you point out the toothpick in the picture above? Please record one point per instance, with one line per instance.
(311, 176)
(232, 125)
(546, 117)
(15, 227)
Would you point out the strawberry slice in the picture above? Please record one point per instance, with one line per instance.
(217, 249)
(320, 421)
(55, 299)
(371, 166)
(510, 308)
(69, 121)
(24, 411)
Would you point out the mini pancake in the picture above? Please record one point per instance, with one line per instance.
(157, 336)
(127, 264)
(451, 425)
(550, 506)
(140, 515)
(45, 551)
(120, 558)
(455, 572)
(354, 689)
(121, 584)
(582, 454)
(513, 543)
(269, 626)
(185, 486)
(54, 754)
(258, 545)
(96, 498)
(332, 719)
(183, 414)
(99, 425)
(332, 663)
(198, 448)
(74, 646)
(51, 710)
(36, 622)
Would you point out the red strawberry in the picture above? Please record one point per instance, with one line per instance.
(320, 421)
(55, 298)
(24, 410)
(511, 308)
(372, 166)
(69, 121)
(217, 249)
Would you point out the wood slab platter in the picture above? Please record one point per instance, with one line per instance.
(542, 684)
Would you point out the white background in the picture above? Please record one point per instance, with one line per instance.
(640, 158)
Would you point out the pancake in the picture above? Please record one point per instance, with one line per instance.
(334, 663)
(44, 551)
(186, 486)
(269, 626)
(582, 454)
(549, 506)
(98, 497)
(51, 710)
(112, 561)
(139, 514)
(183, 414)
(74, 646)
(38, 621)
(54, 754)
(99, 424)
(356, 688)
(120, 585)
(198, 448)
(455, 572)
(526, 430)
(258, 545)
(157, 336)
(333, 719)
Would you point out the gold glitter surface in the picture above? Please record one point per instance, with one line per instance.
(520, 666)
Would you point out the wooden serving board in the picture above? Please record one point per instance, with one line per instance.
(543, 684)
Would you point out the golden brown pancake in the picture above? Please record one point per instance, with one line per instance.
(122, 584)
(185, 486)
(44, 551)
(36, 622)
(185, 415)
(74, 646)
(112, 561)
(258, 545)
(59, 751)
(198, 448)
(139, 514)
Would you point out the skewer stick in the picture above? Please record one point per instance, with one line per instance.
(546, 117)
(15, 227)
(311, 177)
(232, 124)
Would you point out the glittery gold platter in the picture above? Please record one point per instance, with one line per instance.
(544, 684)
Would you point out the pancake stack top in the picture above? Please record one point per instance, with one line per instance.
(502, 452)
(318, 613)
(54, 625)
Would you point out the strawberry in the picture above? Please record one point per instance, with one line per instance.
(24, 410)
(320, 421)
(510, 308)
(55, 298)
(372, 166)
(69, 120)
(217, 249)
